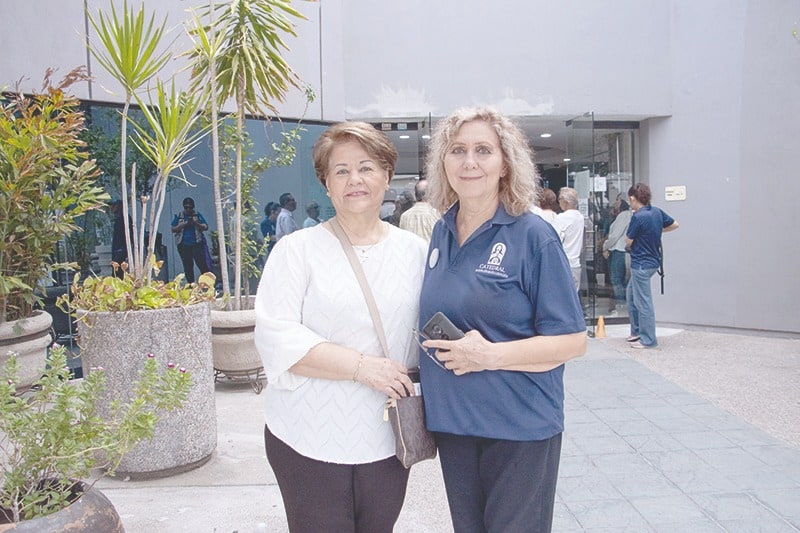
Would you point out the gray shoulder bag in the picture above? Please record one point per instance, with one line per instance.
(413, 441)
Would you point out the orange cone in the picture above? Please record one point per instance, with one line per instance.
(600, 331)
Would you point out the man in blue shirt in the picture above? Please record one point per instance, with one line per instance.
(644, 241)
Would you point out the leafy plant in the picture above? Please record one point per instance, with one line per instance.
(129, 293)
(251, 248)
(58, 432)
(46, 182)
(237, 55)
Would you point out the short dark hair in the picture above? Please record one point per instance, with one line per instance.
(268, 208)
(285, 197)
(641, 192)
(188, 201)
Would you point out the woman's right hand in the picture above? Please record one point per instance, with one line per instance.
(386, 376)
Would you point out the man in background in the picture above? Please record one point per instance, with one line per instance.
(285, 224)
(312, 210)
(570, 226)
(421, 217)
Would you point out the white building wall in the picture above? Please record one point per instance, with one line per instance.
(716, 82)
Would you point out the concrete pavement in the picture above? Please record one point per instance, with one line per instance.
(701, 434)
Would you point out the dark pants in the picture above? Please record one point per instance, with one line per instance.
(320, 496)
(499, 485)
(190, 255)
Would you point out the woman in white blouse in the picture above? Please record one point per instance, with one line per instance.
(326, 440)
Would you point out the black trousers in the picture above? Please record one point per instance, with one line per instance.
(498, 485)
(190, 255)
(322, 497)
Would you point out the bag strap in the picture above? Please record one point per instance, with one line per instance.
(362, 282)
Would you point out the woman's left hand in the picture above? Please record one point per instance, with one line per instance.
(471, 353)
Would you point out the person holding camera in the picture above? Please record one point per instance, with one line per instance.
(495, 397)
(188, 227)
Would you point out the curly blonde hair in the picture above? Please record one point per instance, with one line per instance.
(519, 188)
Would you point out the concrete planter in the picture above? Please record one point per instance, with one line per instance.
(235, 355)
(29, 338)
(91, 512)
(118, 342)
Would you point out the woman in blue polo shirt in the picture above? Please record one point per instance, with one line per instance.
(495, 397)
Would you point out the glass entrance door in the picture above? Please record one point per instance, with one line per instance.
(601, 168)
(580, 172)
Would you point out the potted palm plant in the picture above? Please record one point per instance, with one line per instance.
(238, 56)
(121, 317)
(47, 181)
(52, 436)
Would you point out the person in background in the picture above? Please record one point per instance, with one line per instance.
(614, 251)
(495, 398)
(548, 206)
(312, 210)
(271, 211)
(405, 200)
(188, 227)
(285, 223)
(421, 217)
(388, 205)
(570, 225)
(326, 440)
(644, 241)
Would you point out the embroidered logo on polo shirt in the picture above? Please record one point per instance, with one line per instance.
(493, 264)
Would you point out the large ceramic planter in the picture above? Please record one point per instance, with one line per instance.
(235, 355)
(29, 338)
(91, 512)
(118, 343)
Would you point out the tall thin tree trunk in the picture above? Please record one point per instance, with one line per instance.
(237, 268)
(212, 83)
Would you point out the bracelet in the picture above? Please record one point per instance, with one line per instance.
(358, 368)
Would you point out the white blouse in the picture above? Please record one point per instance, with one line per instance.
(308, 294)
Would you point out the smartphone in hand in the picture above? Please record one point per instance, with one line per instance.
(440, 327)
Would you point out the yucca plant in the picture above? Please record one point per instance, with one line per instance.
(131, 51)
(238, 55)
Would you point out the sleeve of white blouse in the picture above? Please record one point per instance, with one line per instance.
(280, 337)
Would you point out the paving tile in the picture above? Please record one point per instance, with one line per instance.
(610, 513)
(624, 463)
(564, 520)
(658, 442)
(590, 487)
(685, 399)
(775, 455)
(784, 502)
(701, 480)
(617, 414)
(575, 466)
(625, 428)
(750, 437)
(771, 525)
(581, 430)
(732, 506)
(703, 526)
(767, 479)
(731, 460)
(605, 444)
(683, 424)
(582, 415)
(703, 440)
(663, 412)
(676, 509)
(643, 486)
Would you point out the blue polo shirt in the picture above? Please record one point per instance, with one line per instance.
(645, 229)
(510, 280)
